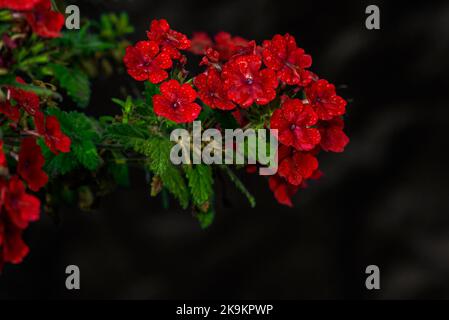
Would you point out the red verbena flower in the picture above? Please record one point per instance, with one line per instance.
(294, 121)
(18, 5)
(227, 46)
(296, 166)
(50, 129)
(22, 208)
(45, 22)
(176, 102)
(3, 162)
(170, 40)
(12, 247)
(27, 100)
(10, 111)
(211, 90)
(282, 190)
(282, 55)
(327, 105)
(144, 61)
(200, 43)
(246, 84)
(332, 136)
(30, 164)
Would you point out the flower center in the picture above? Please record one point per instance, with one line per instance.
(249, 81)
(293, 127)
(175, 105)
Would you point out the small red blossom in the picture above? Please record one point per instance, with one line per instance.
(246, 84)
(45, 22)
(176, 102)
(282, 55)
(296, 166)
(282, 190)
(227, 46)
(12, 247)
(170, 40)
(22, 208)
(332, 136)
(327, 105)
(18, 5)
(211, 90)
(200, 43)
(50, 129)
(27, 100)
(10, 111)
(144, 61)
(30, 164)
(3, 162)
(294, 121)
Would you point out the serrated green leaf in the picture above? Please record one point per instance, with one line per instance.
(200, 182)
(75, 82)
(86, 153)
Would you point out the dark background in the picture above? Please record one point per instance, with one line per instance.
(384, 201)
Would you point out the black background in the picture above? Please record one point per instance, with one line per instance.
(384, 201)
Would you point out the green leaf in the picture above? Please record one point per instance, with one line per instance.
(200, 182)
(57, 164)
(75, 82)
(86, 153)
(206, 218)
(118, 168)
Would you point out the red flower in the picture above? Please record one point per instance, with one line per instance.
(327, 105)
(10, 111)
(44, 21)
(30, 164)
(200, 43)
(176, 102)
(211, 91)
(246, 84)
(293, 120)
(3, 162)
(170, 40)
(12, 247)
(282, 55)
(283, 191)
(296, 166)
(50, 129)
(27, 100)
(22, 208)
(332, 136)
(145, 62)
(227, 46)
(18, 5)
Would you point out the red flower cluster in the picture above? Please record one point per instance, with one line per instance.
(239, 75)
(44, 22)
(17, 210)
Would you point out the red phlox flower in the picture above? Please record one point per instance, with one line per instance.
(211, 90)
(327, 105)
(296, 166)
(294, 121)
(30, 164)
(176, 102)
(170, 40)
(282, 55)
(50, 129)
(18, 5)
(21, 208)
(246, 84)
(282, 190)
(45, 22)
(144, 61)
(332, 136)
